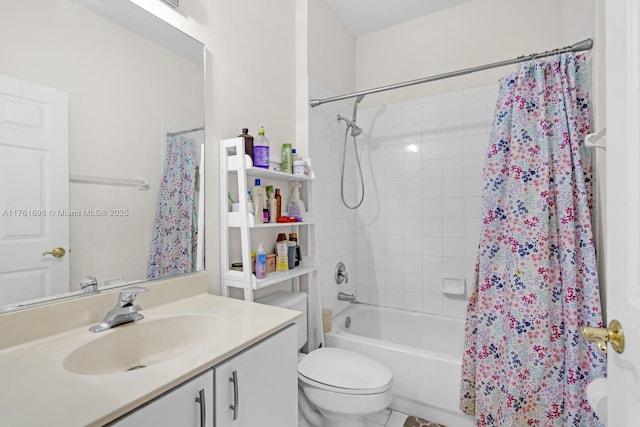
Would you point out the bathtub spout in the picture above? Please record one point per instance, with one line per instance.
(342, 296)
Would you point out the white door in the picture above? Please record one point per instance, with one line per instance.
(623, 206)
(34, 190)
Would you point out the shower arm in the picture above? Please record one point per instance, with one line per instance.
(355, 108)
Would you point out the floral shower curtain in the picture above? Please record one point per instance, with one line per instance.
(173, 247)
(525, 363)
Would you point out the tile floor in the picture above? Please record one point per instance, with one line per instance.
(386, 418)
(391, 418)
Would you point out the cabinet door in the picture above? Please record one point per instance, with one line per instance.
(259, 387)
(177, 408)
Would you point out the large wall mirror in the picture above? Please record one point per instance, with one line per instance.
(101, 139)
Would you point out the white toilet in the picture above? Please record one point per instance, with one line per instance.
(342, 385)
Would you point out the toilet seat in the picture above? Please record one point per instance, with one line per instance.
(343, 371)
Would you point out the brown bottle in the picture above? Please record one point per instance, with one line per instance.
(248, 142)
(278, 203)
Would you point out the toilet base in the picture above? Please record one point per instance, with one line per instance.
(345, 410)
(343, 423)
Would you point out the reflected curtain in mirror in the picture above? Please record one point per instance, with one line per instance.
(174, 242)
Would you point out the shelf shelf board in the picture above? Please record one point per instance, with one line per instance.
(234, 166)
(235, 279)
(236, 219)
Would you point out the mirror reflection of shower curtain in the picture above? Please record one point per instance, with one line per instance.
(175, 236)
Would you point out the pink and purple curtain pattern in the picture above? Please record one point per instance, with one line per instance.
(525, 363)
(173, 245)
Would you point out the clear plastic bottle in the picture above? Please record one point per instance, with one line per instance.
(259, 200)
(250, 203)
(261, 151)
(261, 263)
(287, 158)
(273, 207)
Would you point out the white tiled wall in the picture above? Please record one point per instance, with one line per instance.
(336, 224)
(422, 161)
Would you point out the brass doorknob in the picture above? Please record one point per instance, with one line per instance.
(56, 252)
(601, 336)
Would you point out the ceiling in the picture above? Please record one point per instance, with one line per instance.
(366, 16)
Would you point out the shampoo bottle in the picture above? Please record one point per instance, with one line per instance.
(259, 200)
(261, 263)
(273, 208)
(296, 207)
(287, 159)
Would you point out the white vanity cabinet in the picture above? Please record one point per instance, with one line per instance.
(256, 387)
(190, 404)
(259, 387)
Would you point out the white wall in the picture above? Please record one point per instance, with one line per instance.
(331, 70)
(332, 50)
(336, 229)
(468, 35)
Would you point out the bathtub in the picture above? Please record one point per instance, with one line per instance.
(423, 351)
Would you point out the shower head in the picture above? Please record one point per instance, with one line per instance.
(355, 129)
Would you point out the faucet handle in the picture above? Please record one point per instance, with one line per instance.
(340, 273)
(89, 284)
(127, 295)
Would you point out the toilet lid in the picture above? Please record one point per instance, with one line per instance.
(344, 370)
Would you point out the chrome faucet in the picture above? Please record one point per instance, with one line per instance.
(124, 311)
(342, 296)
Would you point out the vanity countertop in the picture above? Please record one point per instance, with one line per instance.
(36, 389)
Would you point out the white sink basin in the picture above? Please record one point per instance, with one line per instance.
(140, 344)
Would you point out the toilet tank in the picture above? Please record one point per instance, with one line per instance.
(293, 301)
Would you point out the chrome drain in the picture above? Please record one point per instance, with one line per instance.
(347, 322)
(133, 368)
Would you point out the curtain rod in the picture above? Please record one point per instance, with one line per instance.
(577, 47)
(182, 132)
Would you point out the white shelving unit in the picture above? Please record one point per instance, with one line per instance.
(238, 229)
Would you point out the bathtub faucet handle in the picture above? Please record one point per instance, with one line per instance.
(340, 273)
